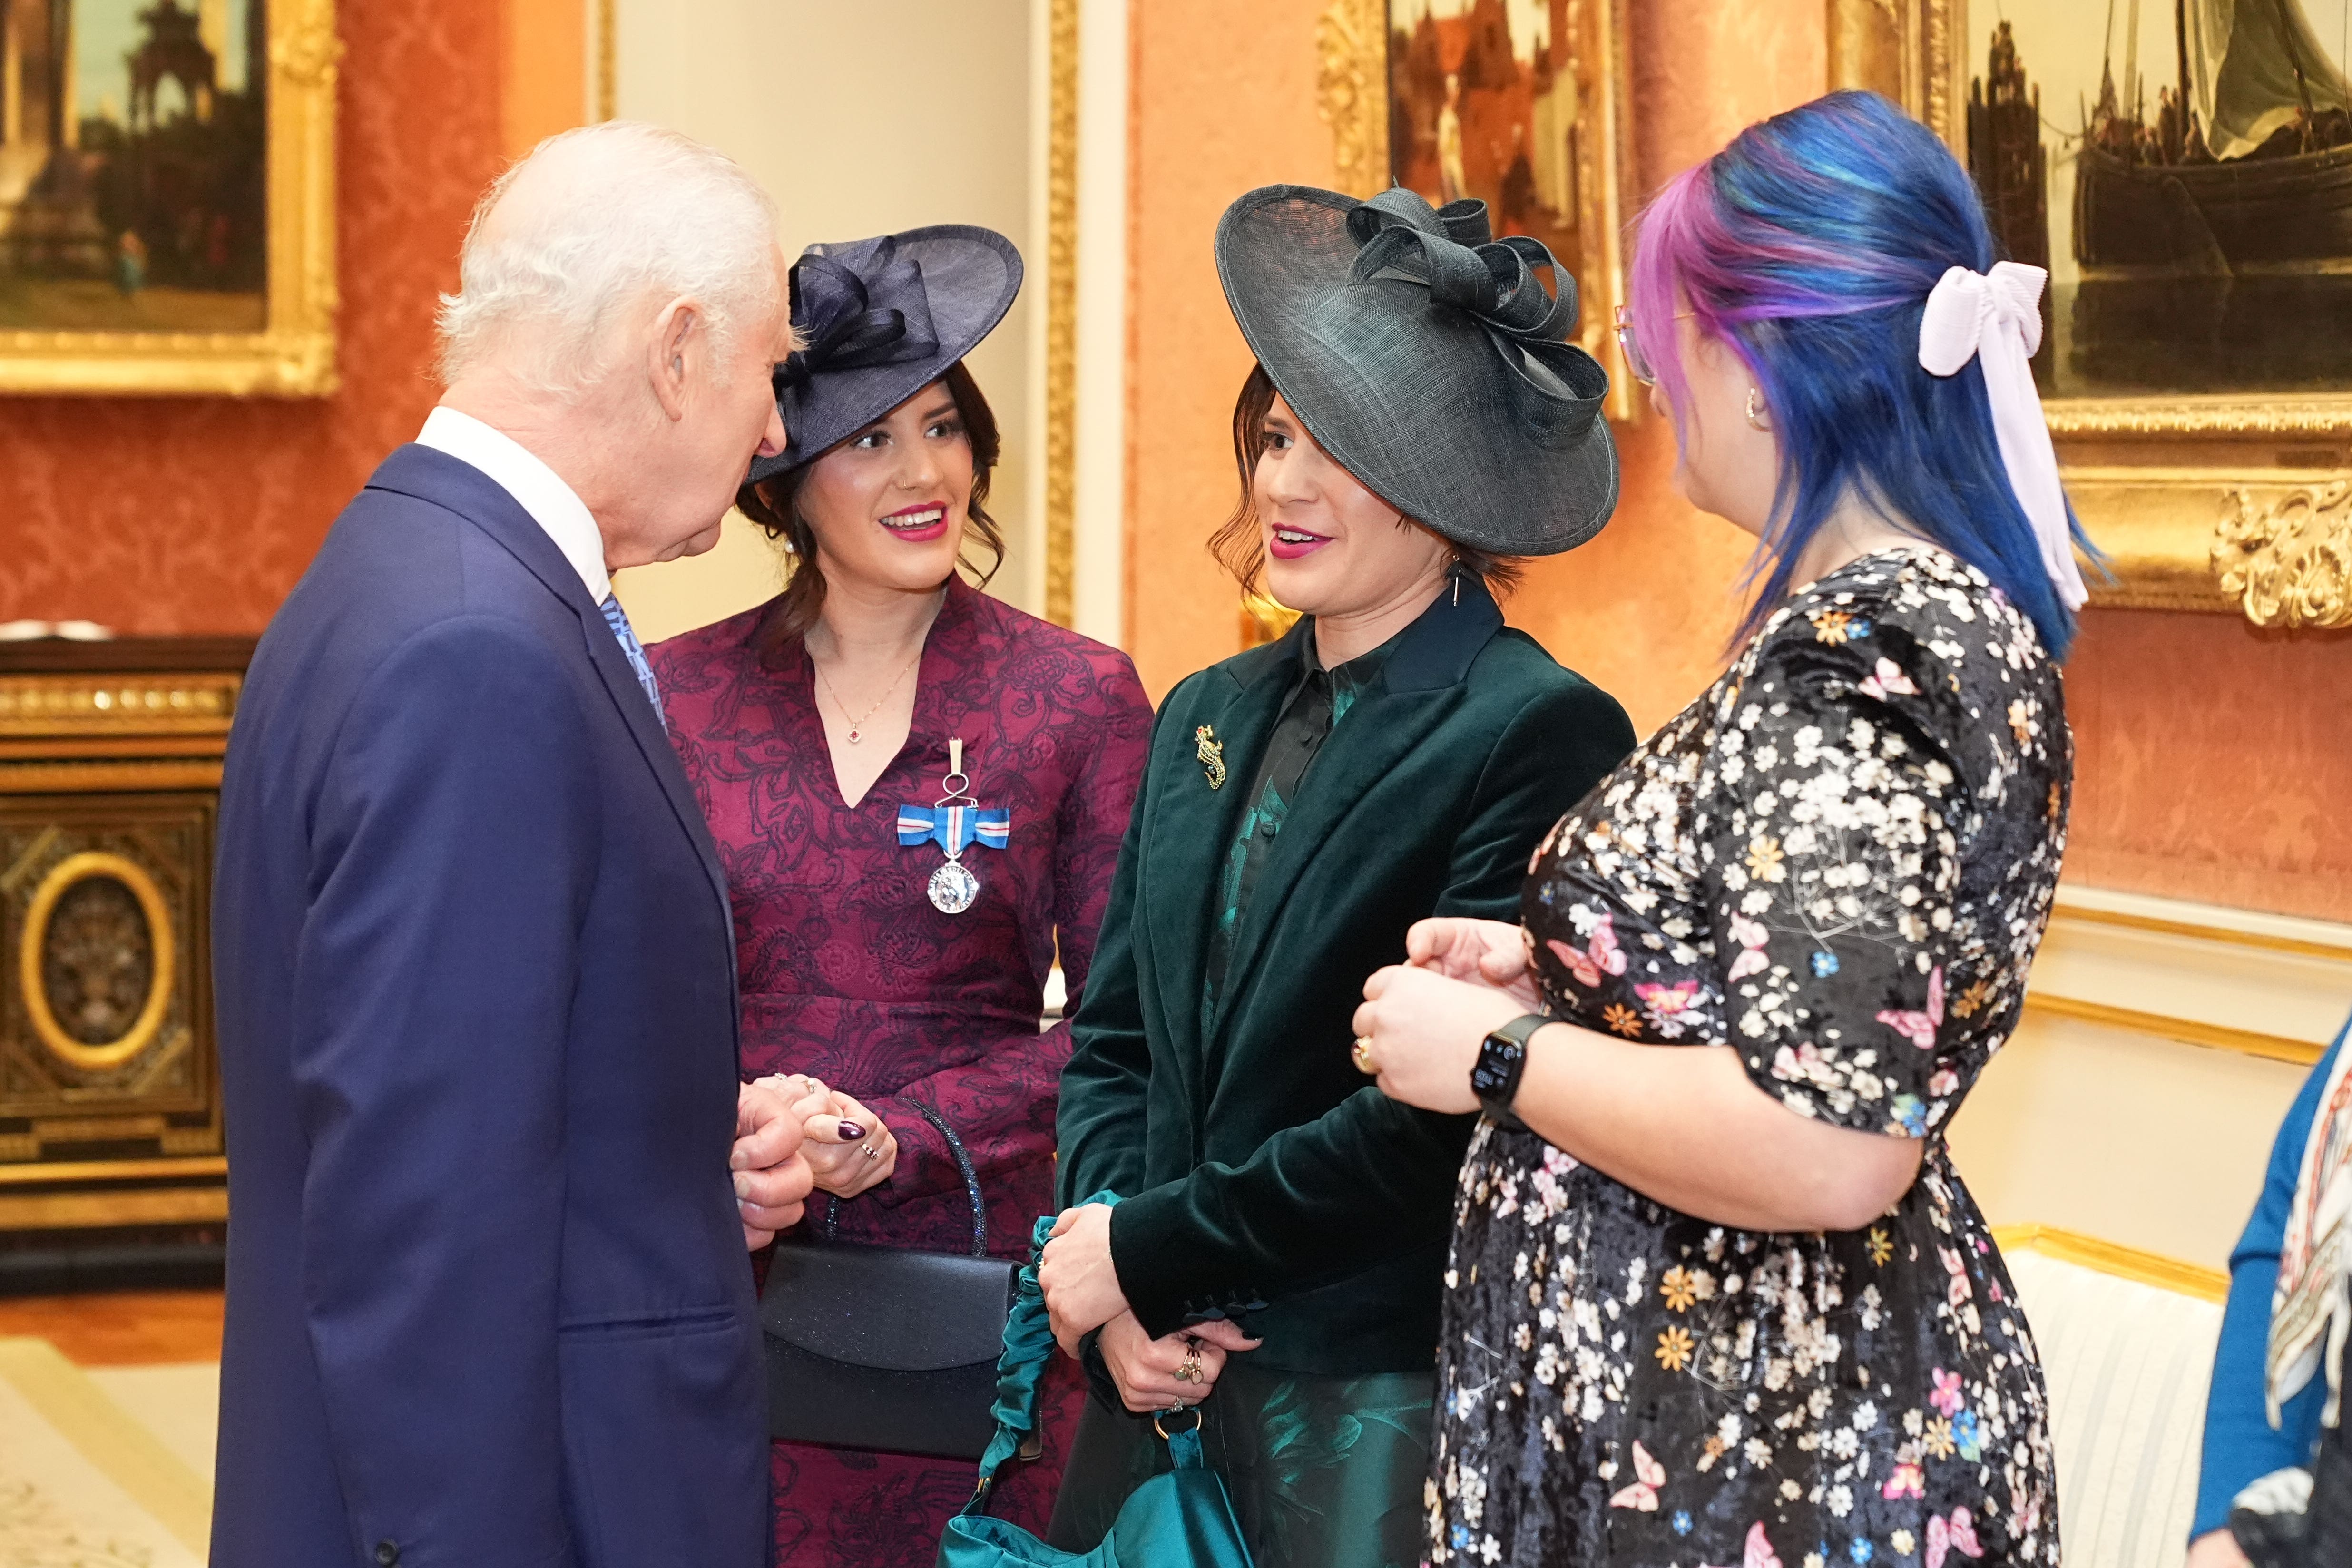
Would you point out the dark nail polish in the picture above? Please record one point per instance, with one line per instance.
(851, 1132)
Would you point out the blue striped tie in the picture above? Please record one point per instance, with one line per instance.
(618, 619)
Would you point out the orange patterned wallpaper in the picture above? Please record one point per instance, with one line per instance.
(176, 515)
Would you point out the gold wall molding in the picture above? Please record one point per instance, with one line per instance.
(2271, 986)
(608, 59)
(1351, 90)
(1062, 314)
(2111, 1257)
(294, 353)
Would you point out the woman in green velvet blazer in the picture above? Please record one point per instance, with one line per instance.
(1276, 1252)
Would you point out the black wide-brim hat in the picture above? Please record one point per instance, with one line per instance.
(1428, 360)
(883, 318)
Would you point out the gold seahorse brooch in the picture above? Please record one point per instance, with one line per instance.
(1211, 754)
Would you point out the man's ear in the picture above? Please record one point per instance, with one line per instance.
(675, 340)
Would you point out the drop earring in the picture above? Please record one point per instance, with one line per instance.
(1756, 409)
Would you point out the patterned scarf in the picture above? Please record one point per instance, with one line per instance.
(2311, 1310)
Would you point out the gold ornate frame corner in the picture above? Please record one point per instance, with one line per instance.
(1352, 84)
(294, 353)
(2227, 503)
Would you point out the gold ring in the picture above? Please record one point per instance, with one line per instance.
(1190, 1372)
(871, 1151)
(1363, 1057)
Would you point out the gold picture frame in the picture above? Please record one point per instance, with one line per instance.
(293, 353)
(2231, 502)
(1354, 88)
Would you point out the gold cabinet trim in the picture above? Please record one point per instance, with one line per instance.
(107, 777)
(51, 705)
(98, 1210)
(60, 1172)
(141, 1033)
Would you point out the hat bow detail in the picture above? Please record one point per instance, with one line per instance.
(832, 306)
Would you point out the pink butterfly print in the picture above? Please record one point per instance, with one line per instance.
(1603, 955)
(1947, 1397)
(1908, 1480)
(1887, 678)
(1759, 1550)
(1957, 1266)
(1668, 1001)
(1919, 1028)
(1751, 936)
(1957, 1534)
(1649, 1476)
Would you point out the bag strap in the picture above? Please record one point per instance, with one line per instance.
(963, 1168)
(1029, 1348)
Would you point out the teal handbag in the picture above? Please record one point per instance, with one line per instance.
(1181, 1519)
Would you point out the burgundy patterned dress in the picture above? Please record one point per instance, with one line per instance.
(848, 973)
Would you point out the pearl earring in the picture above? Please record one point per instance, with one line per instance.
(1756, 410)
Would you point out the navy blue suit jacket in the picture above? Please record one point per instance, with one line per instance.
(487, 1295)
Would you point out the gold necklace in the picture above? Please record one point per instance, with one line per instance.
(857, 726)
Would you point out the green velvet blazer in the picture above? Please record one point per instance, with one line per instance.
(1261, 1177)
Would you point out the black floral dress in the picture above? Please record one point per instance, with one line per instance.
(1838, 861)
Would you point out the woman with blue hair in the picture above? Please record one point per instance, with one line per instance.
(1733, 1304)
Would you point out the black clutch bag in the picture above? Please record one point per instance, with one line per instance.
(878, 1347)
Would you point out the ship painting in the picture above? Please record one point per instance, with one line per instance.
(2242, 166)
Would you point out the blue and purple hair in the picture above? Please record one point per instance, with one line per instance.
(1809, 245)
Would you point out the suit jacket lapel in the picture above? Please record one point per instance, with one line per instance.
(1419, 685)
(449, 482)
(1192, 825)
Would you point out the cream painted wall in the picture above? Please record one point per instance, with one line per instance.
(2124, 1136)
(860, 119)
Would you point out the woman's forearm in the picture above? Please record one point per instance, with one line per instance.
(1685, 1126)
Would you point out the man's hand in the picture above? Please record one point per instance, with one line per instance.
(771, 1179)
(1152, 1373)
(1080, 1283)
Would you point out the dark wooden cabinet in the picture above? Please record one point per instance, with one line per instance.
(109, 1082)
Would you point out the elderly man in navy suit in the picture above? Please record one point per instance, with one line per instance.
(492, 1166)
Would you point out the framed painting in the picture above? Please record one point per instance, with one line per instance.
(1520, 103)
(2184, 171)
(167, 196)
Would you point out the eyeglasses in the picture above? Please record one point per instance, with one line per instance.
(1634, 361)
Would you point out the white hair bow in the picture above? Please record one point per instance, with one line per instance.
(1996, 318)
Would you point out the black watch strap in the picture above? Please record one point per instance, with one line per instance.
(1502, 1060)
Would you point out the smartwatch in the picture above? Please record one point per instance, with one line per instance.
(1502, 1059)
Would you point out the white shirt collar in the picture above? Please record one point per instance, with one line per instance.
(536, 488)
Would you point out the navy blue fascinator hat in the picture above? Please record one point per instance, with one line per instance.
(883, 319)
(1428, 360)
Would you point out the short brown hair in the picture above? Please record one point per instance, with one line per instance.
(1236, 544)
(774, 504)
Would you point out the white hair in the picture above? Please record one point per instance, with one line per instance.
(593, 220)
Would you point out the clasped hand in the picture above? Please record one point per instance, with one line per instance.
(794, 1136)
(1425, 1018)
(1081, 1294)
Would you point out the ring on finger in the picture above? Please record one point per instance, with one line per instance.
(1362, 1056)
(1190, 1370)
(870, 1151)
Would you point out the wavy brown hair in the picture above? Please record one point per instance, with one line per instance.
(774, 504)
(1236, 544)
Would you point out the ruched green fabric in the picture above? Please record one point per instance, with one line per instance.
(1178, 1519)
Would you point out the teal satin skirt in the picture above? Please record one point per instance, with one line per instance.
(1324, 1472)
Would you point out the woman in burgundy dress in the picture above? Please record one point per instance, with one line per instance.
(819, 731)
